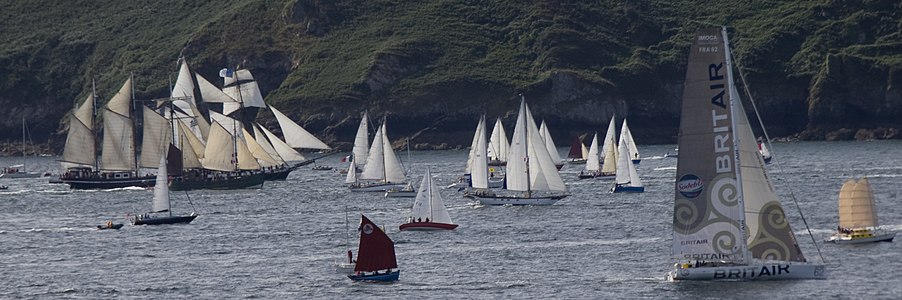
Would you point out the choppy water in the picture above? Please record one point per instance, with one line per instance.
(280, 242)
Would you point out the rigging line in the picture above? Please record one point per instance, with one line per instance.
(745, 87)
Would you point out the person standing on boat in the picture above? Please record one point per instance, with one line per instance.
(350, 257)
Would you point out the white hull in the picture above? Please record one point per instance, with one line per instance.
(20, 175)
(515, 200)
(377, 187)
(841, 239)
(769, 271)
(345, 267)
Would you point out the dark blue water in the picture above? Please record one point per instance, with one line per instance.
(281, 241)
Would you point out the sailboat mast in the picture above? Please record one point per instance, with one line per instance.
(234, 125)
(94, 123)
(734, 101)
(24, 163)
(134, 124)
(526, 142)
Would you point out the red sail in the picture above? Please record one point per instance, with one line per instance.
(377, 251)
(576, 148)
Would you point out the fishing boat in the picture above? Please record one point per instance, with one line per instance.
(117, 167)
(593, 164)
(383, 170)
(549, 143)
(162, 209)
(728, 222)
(428, 212)
(627, 136)
(532, 177)
(858, 215)
(498, 146)
(20, 171)
(578, 152)
(627, 179)
(375, 255)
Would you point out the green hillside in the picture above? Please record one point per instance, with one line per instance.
(817, 69)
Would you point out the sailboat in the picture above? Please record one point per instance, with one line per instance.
(375, 254)
(19, 171)
(383, 170)
(858, 215)
(549, 143)
(531, 173)
(498, 146)
(627, 179)
(578, 152)
(593, 164)
(428, 212)
(361, 145)
(477, 164)
(346, 267)
(765, 153)
(117, 167)
(609, 152)
(728, 223)
(627, 136)
(161, 203)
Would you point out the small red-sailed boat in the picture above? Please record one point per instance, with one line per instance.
(375, 256)
(428, 212)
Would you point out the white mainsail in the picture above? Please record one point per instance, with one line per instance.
(477, 163)
(529, 165)
(352, 176)
(161, 188)
(118, 132)
(242, 87)
(549, 143)
(219, 154)
(157, 136)
(361, 142)
(295, 135)
(183, 95)
(265, 144)
(287, 153)
(246, 160)
(634, 152)
(382, 163)
(609, 148)
(190, 156)
(258, 152)
(212, 94)
(429, 204)
(80, 146)
(592, 162)
(195, 143)
(498, 143)
(626, 171)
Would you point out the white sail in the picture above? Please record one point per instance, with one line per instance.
(246, 160)
(287, 153)
(156, 139)
(592, 162)
(394, 172)
(517, 178)
(212, 94)
(477, 166)
(856, 205)
(609, 148)
(121, 102)
(382, 163)
(266, 145)
(242, 87)
(634, 152)
(585, 151)
(118, 142)
(352, 176)
(230, 125)
(428, 203)
(190, 159)
(626, 171)
(219, 154)
(361, 143)
(295, 135)
(196, 144)
(549, 143)
(161, 188)
(257, 150)
(80, 149)
(543, 172)
(529, 165)
(498, 143)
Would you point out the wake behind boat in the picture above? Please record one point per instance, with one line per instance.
(709, 241)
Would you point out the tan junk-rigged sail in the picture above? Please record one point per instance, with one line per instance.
(856, 205)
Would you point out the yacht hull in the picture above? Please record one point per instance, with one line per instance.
(770, 271)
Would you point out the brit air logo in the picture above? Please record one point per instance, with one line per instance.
(690, 186)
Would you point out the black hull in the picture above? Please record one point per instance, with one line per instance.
(105, 227)
(165, 220)
(233, 183)
(277, 175)
(95, 183)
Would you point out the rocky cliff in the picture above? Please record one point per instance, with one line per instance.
(817, 69)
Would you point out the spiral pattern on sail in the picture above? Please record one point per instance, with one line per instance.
(686, 216)
(725, 242)
(773, 239)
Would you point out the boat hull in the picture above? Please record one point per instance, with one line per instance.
(254, 181)
(628, 189)
(165, 220)
(595, 176)
(637, 161)
(426, 226)
(93, 184)
(277, 175)
(345, 267)
(378, 187)
(490, 199)
(770, 271)
(20, 175)
(391, 276)
(400, 194)
(105, 227)
(886, 237)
